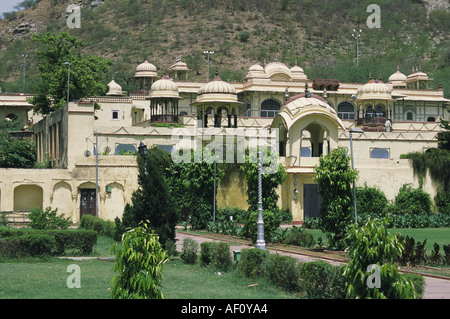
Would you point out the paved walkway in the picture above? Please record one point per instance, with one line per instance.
(435, 288)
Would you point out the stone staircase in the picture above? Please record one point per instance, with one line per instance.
(17, 219)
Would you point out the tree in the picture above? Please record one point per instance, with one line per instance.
(275, 175)
(192, 186)
(139, 265)
(87, 73)
(152, 201)
(14, 152)
(335, 177)
(371, 271)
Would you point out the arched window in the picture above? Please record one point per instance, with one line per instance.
(125, 149)
(379, 111)
(431, 119)
(410, 116)
(270, 107)
(346, 111)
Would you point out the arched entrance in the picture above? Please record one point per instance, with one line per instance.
(27, 197)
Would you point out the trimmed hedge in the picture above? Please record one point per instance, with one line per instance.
(31, 245)
(102, 227)
(32, 242)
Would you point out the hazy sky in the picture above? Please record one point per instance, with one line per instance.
(8, 5)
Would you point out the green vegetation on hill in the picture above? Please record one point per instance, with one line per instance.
(315, 34)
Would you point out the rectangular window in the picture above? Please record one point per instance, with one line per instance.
(379, 153)
(114, 115)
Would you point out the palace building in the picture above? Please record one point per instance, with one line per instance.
(87, 149)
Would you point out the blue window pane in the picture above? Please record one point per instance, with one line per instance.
(379, 153)
(305, 152)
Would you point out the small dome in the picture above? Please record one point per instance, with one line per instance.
(397, 78)
(256, 67)
(297, 69)
(297, 73)
(179, 65)
(217, 86)
(255, 71)
(300, 106)
(374, 89)
(277, 70)
(146, 69)
(217, 91)
(114, 89)
(164, 88)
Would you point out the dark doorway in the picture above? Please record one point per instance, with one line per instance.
(88, 202)
(311, 201)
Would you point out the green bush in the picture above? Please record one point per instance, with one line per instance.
(442, 201)
(418, 282)
(412, 200)
(81, 240)
(207, 252)
(102, 227)
(189, 251)
(252, 262)
(222, 256)
(371, 201)
(139, 266)
(48, 219)
(282, 271)
(271, 224)
(171, 247)
(239, 215)
(321, 280)
(297, 236)
(244, 36)
(283, 215)
(33, 245)
(369, 245)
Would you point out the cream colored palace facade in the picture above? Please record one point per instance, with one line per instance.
(312, 117)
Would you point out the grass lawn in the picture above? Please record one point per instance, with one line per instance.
(47, 279)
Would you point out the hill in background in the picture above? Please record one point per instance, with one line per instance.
(317, 35)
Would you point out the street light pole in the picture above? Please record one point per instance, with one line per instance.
(357, 34)
(208, 52)
(96, 148)
(24, 56)
(68, 81)
(260, 242)
(354, 130)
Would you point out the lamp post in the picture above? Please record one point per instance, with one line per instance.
(96, 148)
(143, 151)
(260, 242)
(68, 81)
(208, 52)
(357, 34)
(24, 56)
(354, 130)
